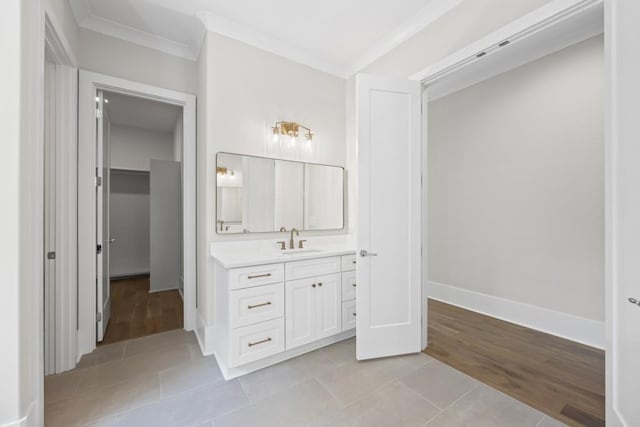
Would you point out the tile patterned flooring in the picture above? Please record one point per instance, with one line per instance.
(163, 380)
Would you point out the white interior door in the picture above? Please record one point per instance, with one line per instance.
(103, 239)
(623, 215)
(388, 299)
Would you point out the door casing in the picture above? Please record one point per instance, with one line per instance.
(89, 84)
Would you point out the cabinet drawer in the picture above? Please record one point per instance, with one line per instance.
(348, 285)
(255, 275)
(349, 262)
(256, 342)
(348, 315)
(312, 267)
(256, 304)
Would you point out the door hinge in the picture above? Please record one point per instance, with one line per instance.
(98, 181)
(98, 317)
(99, 249)
(51, 255)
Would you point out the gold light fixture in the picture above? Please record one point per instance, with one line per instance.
(221, 170)
(292, 130)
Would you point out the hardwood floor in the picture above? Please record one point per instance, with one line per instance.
(559, 377)
(135, 312)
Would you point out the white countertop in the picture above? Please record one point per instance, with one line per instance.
(236, 254)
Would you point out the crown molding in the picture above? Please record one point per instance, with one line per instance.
(434, 10)
(228, 28)
(234, 30)
(87, 20)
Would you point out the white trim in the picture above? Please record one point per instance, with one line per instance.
(574, 328)
(424, 194)
(89, 83)
(66, 82)
(87, 20)
(434, 10)
(56, 38)
(260, 40)
(218, 24)
(550, 14)
(29, 420)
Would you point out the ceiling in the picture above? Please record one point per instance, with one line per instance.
(336, 36)
(125, 110)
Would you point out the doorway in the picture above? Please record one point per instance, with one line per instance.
(139, 217)
(136, 210)
(516, 214)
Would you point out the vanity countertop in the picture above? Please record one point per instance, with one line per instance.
(248, 253)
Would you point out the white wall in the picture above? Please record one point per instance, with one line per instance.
(516, 196)
(252, 89)
(118, 58)
(10, 25)
(461, 26)
(129, 224)
(133, 148)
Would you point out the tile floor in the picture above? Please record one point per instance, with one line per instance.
(163, 380)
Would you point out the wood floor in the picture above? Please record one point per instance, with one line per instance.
(135, 312)
(559, 377)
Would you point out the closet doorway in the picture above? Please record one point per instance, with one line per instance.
(136, 210)
(139, 208)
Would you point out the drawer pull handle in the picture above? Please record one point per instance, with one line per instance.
(259, 305)
(354, 285)
(353, 262)
(353, 314)
(251, 344)
(259, 275)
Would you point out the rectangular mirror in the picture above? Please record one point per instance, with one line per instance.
(263, 195)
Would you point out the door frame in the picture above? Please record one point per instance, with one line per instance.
(64, 293)
(89, 83)
(554, 11)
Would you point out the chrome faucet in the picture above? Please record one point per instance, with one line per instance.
(293, 230)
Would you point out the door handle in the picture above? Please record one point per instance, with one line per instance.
(364, 253)
(112, 240)
(634, 301)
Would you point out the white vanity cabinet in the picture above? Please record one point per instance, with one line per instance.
(270, 312)
(313, 309)
(349, 286)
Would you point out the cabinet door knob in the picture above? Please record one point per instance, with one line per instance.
(313, 286)
(319, 284)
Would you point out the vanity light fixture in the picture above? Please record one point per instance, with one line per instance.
(221, 170)
(292, 130)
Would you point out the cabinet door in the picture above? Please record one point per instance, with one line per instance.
(300, 312)
(329, 305)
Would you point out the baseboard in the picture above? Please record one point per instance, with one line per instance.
(153, 291)
(574, 328)
(129, 276)
(29, 420)
(204, 335)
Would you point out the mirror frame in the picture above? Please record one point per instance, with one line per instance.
(242, 233)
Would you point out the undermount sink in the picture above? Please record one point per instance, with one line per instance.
(299, 251)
